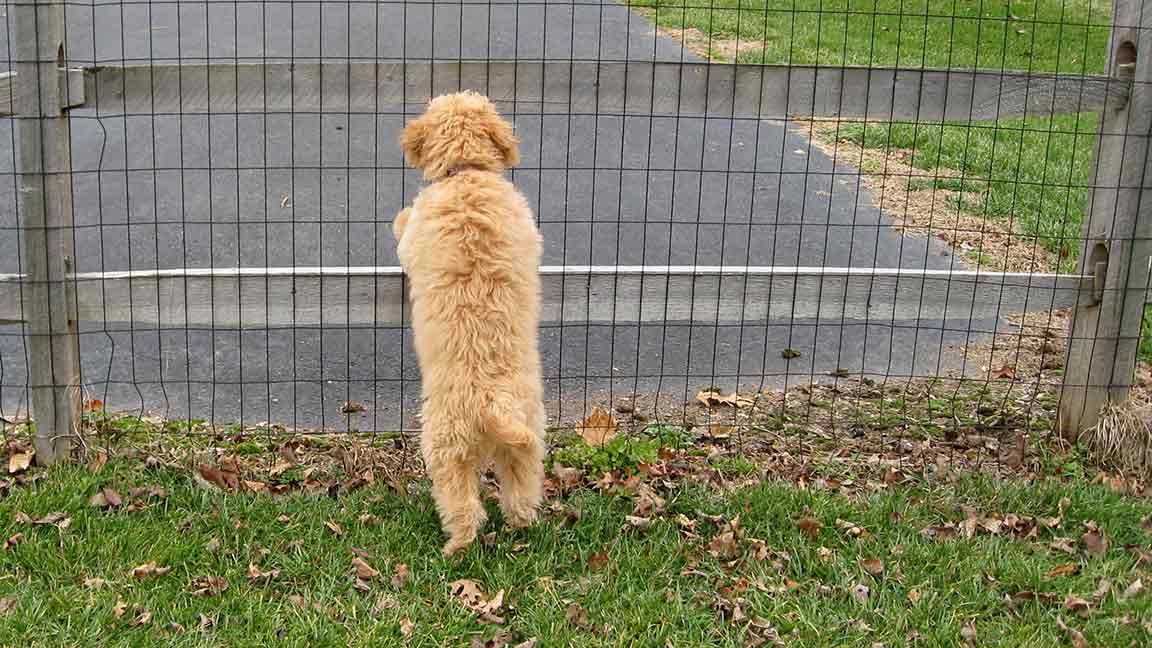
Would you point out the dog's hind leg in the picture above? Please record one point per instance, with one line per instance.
(456, 491)
(520, 470)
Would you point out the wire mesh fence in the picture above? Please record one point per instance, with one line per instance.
(819, 222)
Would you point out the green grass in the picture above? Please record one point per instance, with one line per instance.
(656, 587)
(1029, 175)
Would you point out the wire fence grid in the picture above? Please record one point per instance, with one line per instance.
(819, 219)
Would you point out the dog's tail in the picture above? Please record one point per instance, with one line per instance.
(507, 429)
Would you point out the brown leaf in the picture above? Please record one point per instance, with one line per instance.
(873, 566)
(280, 467)
(720, 432)
(789, 354)
(810, 527)
(334, 528)
(713, 398)
(254, 486)
(255, 573)
(648, 503)
(119, 609)
(13, 540)
(353, 407)
(576, 615)
(1063, 545)
(569, 478)
(97, 462)
(725, 546)
(363, 570)
(106, 498)
(914, 596)
(596, 562)
(861, 592)
(148, 569)
(407, 627)
(144, 618)
(1094, 543)
(598, 429)
(206, 621)
(223, 479)
(18, 462)
(1135, 589)
(399, 575)
(209, 586)
(1007, 371)
(96, 583)
(384, 603)
(1074, 635)
(968, 633)
(636, 522)
(58, 519)
(941, 532)
(7, 604)
(212, 546)
(469, 593)
(1068, 569)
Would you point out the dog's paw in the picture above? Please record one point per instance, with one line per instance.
(456, 544)
(521, 519)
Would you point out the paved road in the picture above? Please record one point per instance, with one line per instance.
(198, 192)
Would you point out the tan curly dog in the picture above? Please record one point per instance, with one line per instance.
(471, 251)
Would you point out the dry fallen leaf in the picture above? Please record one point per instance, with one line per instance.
(1135, 589)
(334, 528)
(576, 615)
(725, 546)
(97, 462)
(713, 398)
(209, 586)
(7, 604)
(96, 583)
(363, 570)
(1007, 371)
(13, 540)
(1074, 635)
(255, 573)
(860, 592)
(399, 575)
(648, 503)
(569, 478)
(968, 633)
(119, 609)
(1063, 545)
(407, 627)
(19, 462)
(58, 519)
(149, 569)
(223, 479)
(873, 566)
(596, 562)
(212, 546)
(635, 522)
(598, 429)
(1094, 542)
(106, 498)
(810, 527)
(144, 618)
(472, 596)
(914, 597)
(1064, 570)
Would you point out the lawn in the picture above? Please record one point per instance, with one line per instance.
(149, 557)
(1030, 176)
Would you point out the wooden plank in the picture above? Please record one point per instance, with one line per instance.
(602, 87)
(368, 296)
(44, 166)
(1105, 334)
(7, 86)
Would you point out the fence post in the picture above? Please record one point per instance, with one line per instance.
(44, 165)
(1105, 329)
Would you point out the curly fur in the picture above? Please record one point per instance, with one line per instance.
(471, 250)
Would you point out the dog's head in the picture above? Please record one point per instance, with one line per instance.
(459, 130)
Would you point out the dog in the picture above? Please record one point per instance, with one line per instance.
(471, 251)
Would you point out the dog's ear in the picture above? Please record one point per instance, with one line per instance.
(412, 141)
(506, 142)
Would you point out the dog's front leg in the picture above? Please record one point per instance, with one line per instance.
(401, 222)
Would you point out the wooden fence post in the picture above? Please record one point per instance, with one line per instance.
(1105, 330)
(39, 101)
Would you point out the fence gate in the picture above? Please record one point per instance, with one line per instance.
(198, 224)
